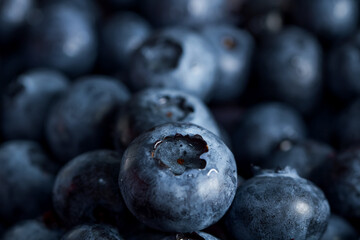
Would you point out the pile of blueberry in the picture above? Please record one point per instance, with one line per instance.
(180, 119)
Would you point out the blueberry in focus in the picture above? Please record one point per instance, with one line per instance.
(303, 156)
(178, 177)
(329, 19)
(27, 101)
(343, 69)
(155, 106)
(121, 36)
(339, 228)
(262, 129)
(186, 12)
(177, 58)
(90, 232)
(31, 230)
(233, 48)
(289, 68)
(63, 39)
(82, 120)
(27, 177)
(278, 205)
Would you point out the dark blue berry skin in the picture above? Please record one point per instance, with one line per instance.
(262, 129)
(180, 236)
(304, 157)
(122, 3)
(90, 232)
(121, 36)
(27, 101)
(31, 230)
(63, 39)
(187, 12)
(176, 58)
(330, 20)
(13, 16)
(343, 69)
(190, 236)
(155, 106)
(86, 189)
(289, 68)
(340, 180)
(339, 229)
(233, 48)
(26, 174)
(347, 126)
(178, 178)
(278, 205)
(262, 17)
(82, 120)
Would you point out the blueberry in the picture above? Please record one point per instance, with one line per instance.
(262, 129)
(262, 17)
(155, 106)
(190, 236)
(122, 34)
(343, 69)
(83, 118)
(289, 68)
(90, 232)
(13, 16)
(330, 20)
(340, 180)
(151, 235)
(339, 228)
(304, 157)
(175, 58)
(347, 126)
(86, 189)
(278, 205)
(63, 39)
(27, 177)
(185, 12)
(31, 230)
(178, 177)
(233, 48)
(27, 101)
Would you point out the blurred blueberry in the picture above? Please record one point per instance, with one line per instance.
(31, 230)
(27, 177)
(175, 58)
(340, 180)
(13, 16)
(343, 69)
(233, 48)
(122, 34)
(184, 12)
(63, 39)
(27, 101)
(289, 68)
(339, 229)
(92, 232)
(328, 19)
(262, 129)
(347, 126)
(86, 189)
(82, 120)
(305, 156)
